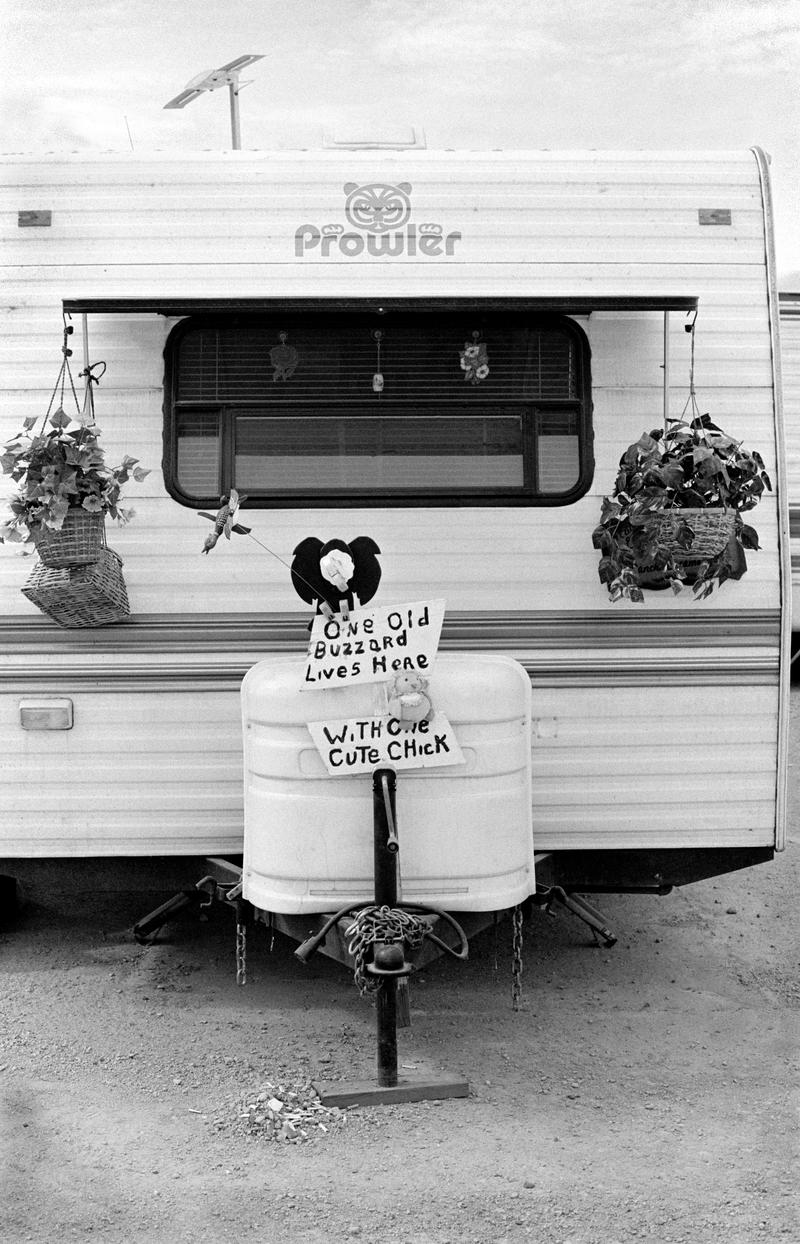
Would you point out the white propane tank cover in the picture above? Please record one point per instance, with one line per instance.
(466, 841)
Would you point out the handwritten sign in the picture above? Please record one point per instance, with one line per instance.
(361, 744)
(373, 644)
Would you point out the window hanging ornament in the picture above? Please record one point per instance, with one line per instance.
(377, 379)
(475, 360)
(284, 359)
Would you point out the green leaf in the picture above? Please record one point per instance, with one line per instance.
(57, 512)
(672, 474)
(606, 570)
(646, 443)
(60, 419)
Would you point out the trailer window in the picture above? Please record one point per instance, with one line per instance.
(379, 410)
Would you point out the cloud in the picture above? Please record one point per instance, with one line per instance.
(684, 36)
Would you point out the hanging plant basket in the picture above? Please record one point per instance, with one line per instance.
(63, 487)
(711, 531)
(81, 596)
(79, 542)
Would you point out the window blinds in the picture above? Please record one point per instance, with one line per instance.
(418, 359)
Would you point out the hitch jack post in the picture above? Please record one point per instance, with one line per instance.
(388, 969)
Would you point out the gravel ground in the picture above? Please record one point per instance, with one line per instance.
(648, 1091)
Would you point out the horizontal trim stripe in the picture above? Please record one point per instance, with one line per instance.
(287, 632)
(213, 652)
(572, 670)
(193, 306)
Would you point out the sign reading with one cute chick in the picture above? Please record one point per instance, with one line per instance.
(361, 744)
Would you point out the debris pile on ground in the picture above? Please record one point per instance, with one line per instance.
(289, 1113)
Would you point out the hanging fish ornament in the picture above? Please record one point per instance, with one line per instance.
(377, 378)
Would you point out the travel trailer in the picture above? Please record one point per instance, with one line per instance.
(297, 326)
(790, 374)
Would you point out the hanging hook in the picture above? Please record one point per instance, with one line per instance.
(68, 331)
(91, 378)
(88, 372)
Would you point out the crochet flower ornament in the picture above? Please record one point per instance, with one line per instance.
(475, 362)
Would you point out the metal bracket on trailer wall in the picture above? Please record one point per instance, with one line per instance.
(224, 885)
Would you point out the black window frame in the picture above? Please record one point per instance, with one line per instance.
(423, 497)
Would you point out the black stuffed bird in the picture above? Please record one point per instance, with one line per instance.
(336, 574)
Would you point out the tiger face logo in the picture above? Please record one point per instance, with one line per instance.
(377, 207)
(378, 219)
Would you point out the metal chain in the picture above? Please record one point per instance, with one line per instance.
(516, 960)
(241, 953)
(380, 924)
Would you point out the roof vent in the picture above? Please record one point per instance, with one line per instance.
(400, 139)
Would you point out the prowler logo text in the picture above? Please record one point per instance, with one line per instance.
(378, 214)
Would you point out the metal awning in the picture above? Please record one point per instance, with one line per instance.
(583, 305)
(665, 303)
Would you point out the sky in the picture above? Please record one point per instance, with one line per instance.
(473, 74)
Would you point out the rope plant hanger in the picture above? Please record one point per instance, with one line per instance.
(64, 465)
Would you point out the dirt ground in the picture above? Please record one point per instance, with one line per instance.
(648, 1091)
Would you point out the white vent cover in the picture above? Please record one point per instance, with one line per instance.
(398, 139)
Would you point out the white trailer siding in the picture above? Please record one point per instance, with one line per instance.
(790, 375)
(625, 695)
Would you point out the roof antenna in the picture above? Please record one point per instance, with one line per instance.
(211, 80)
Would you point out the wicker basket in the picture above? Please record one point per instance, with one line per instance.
(91, 595)
(78, 542)
(712, 531)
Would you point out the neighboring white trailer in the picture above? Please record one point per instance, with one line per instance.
(659, 730)
(790, 377)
